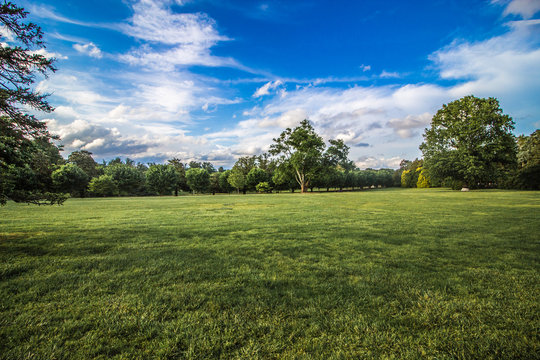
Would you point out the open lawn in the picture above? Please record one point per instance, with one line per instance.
(375, 274)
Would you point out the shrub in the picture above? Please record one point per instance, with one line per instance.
(263, 187)
(103, 186)
(423, 179)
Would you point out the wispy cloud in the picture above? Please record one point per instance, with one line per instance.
(266, 88)
(524, 8)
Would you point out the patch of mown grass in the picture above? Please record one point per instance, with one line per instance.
(411, 274)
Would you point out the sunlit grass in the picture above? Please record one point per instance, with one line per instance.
(373, 274)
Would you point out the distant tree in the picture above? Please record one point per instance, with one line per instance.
(256, 176)
(84, 160)
(528, 153)
(237, 179)
(337, 155)
(198, 179)
(195, 165)
(301, 150)
(239, 172)
(214, 183)
(528, 156)
(130, 180)
(30, 181)
(161, 179)
(103, 185)
(423, 178)
(116, 160)
(284, 178)
(208, 167)
(180, 168)
(21, 134)
(224, 181)
(470, 140)
(70, 178)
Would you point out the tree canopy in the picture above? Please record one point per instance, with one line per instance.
(470, 141)
(300, 151)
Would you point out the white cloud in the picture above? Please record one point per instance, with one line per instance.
(378, 162)
(173, 39)
(265, 89)
(506, 67)
(153, 20)
(186, 54)
(89, 49)
(365, 68)
(404, 127)
(48, 54)
(389, 75)
(6, 34)
(524, 8)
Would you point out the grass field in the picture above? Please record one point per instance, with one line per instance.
(433, 274)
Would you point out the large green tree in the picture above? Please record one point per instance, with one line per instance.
(180, 168)
(470, 140)
(198, 179)
(300, 151)
(237, 179)
(130, 180)
(85, 161)
(23, 138)
(70, 178)
(161, 179)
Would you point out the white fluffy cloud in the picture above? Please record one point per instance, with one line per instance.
(89, 49)
(404, 127)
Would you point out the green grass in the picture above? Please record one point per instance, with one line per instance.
(397, 274)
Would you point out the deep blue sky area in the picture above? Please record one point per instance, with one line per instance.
(215, 80)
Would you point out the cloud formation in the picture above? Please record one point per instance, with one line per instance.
(89, 49)
(266, 88)
(523, 8)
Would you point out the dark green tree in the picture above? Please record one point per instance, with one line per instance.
(198, 179)
(239, 172)
(470, 141)
(528, 155)
(214, 183)
(224, 181)
(23, 136)
(70, 178)
(256, 176)
(161, 179)
(129, 179)
(84, 160)
(180, 168)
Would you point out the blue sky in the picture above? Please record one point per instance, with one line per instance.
(214, 80)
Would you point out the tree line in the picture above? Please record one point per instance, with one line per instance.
(81, 176)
